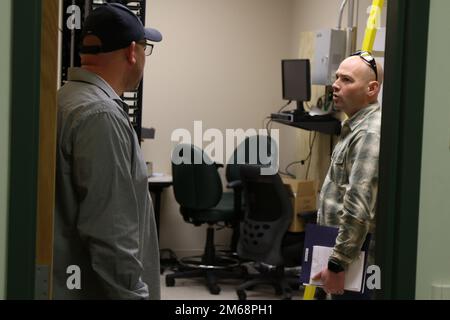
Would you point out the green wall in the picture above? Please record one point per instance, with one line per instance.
(433, 257)
(5, 77)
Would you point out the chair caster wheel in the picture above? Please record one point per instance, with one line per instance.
(214, 289)
(244, 271)
(241, 294)
(170, 282)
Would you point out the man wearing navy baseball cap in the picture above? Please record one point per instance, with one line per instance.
(116, 26)
(105, 239)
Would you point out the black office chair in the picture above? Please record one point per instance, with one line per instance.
(198, 191)
(256, 150)
(264, 234)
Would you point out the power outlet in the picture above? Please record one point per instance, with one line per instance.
(440, 291)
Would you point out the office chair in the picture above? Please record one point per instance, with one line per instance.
(198, 191)
(253, 150)
(264, 234)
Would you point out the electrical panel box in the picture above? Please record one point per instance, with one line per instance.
(329, 53)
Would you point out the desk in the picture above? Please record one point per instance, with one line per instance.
(156, 185)
(333, 126)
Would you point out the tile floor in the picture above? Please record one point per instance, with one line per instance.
(195, 289)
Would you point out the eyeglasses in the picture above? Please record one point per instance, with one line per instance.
(367, 57)
(148, 47)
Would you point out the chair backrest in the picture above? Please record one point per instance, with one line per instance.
(196, 182)
(268, 214)
(253, 150)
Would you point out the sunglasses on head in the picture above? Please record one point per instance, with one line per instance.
(369, 59)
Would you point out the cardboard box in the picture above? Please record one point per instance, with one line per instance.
(304, 199)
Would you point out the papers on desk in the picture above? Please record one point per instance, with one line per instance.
(353, 275)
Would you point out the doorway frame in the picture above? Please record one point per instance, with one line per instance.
(400, 153)
(24, 148)
(401, 147)
(32, 148)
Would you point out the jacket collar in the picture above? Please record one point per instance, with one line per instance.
(360, 116)
(82, 75)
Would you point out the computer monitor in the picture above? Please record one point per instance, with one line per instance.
(296, 76)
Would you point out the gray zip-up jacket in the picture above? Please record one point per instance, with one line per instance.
(104, 219)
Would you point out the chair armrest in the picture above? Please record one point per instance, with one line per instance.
(236, 185)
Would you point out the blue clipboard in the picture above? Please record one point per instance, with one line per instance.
(317, 235)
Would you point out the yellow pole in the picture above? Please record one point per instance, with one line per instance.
(310, 291)
(372, 25)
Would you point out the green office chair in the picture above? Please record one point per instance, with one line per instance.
(198, 191)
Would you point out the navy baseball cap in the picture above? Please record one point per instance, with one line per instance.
(116, 26)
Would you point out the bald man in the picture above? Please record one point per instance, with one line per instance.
(349, 192)
(105, 239)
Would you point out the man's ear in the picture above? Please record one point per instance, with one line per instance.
(130, 53)
(373, 88)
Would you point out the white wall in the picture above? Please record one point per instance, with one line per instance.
(219, 62)
(433, 258)
(5, 79)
